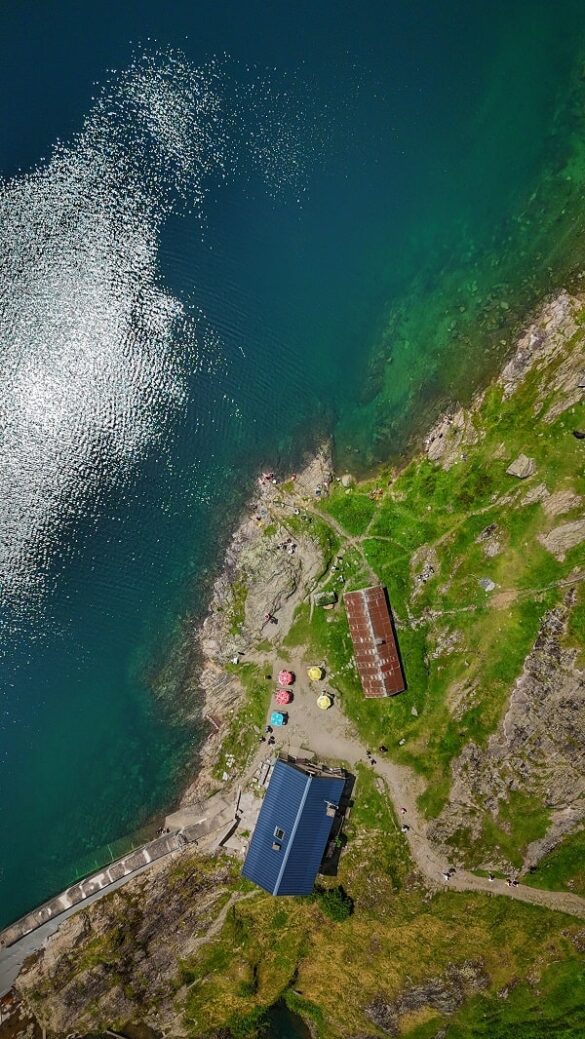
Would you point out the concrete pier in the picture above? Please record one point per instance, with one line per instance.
(97, 883)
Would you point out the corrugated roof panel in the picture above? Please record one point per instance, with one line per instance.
(375, 649)
(296, 803)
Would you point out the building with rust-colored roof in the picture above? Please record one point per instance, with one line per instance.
(374, 643)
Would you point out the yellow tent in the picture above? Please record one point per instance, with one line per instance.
(315, 674)
(325, 701)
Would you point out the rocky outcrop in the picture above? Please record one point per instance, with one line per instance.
(445, 994)
(120, 961)
(522, 467)
(542, 341)
(424, 565)
(563, 538)
(267, 572)
(538, 748)
(561, 502)
(448, 438)
(535, 495)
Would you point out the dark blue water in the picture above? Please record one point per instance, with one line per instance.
(168, 329)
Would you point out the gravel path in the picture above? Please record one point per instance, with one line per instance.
(329, 735)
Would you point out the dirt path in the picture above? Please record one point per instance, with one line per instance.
(330, 736)
(347, 540)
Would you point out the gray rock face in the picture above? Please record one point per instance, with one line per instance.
(541, 341)
(522, 467)
(444, 994)
(487, 584)
(560, 540)
(449, 436)
(538, 747)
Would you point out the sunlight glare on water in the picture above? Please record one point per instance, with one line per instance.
(94, 351)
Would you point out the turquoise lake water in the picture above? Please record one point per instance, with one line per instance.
(227, 229)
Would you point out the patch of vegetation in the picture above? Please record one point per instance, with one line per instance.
(306, 1010)
(245, 971)
(237, 606)
(352, 509)
(550, 1006)
(248, 720)
(287, 487)
(246, 1026)
(372, 820)
(334, 902)
(263, 646)
(309, 525)
(563, 869)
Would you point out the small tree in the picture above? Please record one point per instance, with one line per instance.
(335, 903)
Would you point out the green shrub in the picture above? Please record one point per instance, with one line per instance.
(334, 903)
(246, 1026)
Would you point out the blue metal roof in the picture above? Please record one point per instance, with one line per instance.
(296, 804)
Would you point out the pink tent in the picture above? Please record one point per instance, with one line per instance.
(283, 696)
(285, 678)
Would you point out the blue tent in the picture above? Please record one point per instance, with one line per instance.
(292, 831)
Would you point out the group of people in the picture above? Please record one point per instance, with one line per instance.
(268, 736)
(382, 749)
(288, 546)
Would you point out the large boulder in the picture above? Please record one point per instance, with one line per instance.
(522, 467)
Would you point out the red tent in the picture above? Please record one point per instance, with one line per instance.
(285, 678)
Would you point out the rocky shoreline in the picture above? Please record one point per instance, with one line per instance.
(253, 599)
(249, 559)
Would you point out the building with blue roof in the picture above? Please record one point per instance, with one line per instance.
(293, 828)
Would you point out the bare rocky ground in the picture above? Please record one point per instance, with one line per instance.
(276, 580)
